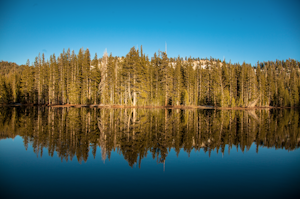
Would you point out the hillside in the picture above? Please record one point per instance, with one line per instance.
(9, 67)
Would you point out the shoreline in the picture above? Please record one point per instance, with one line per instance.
(144, 107)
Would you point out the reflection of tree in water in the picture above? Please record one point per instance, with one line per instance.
(134, 133)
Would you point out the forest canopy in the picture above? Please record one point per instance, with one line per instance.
(137, 80)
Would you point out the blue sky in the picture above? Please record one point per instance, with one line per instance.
(237, 30)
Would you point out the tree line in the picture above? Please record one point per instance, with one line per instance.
(137, 80)
(136, 133)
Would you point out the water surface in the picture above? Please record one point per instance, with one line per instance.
(148, 153)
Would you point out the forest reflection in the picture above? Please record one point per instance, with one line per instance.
(136, 133)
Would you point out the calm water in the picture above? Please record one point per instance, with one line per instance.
(149, 153)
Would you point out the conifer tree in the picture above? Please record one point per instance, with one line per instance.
(166, 77)
(102, 86)
(95, 77)
(177, 82)
(134, 80)
(86, 92)
(132, 75)
(111, 78)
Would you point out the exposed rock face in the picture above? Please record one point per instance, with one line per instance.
(253, 103)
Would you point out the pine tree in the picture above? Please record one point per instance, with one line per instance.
(132, 75)
(80, 75)
(225, 85)
(134, 80)
(74, 87)
(95, 77)
(166, 77)
(111, 78)
(102, 86)
(177, 82)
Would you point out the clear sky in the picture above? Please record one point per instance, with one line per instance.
(237, 30)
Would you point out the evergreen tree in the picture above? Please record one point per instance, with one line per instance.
(177, 85)
(95, 78)
(134, 80)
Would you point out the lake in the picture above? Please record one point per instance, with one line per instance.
(149, 153)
